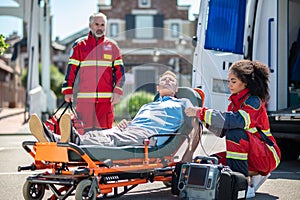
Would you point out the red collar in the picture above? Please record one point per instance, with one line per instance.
(238, 99)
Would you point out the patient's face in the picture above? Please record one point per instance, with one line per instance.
(167, 85)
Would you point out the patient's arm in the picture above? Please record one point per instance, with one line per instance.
(123, 124)
(194, 139)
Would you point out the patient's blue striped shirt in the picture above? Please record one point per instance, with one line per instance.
(165, 115)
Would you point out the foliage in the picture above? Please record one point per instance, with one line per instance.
(56, 79)
(3, 45)
(132, 103)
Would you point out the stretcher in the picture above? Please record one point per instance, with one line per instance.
(96, 172)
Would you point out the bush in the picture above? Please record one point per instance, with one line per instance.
(56, 80)
(129, 106)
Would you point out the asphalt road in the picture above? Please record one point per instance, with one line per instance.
(284, 182)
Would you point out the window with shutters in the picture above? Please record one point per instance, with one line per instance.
(144, 26)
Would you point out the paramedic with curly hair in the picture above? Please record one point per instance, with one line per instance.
(250, 147)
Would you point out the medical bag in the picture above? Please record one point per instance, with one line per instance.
(53, 122)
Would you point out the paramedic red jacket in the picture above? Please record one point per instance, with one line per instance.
(244, 112)
(99, 67)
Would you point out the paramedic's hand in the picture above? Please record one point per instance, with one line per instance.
(115, 98)
(191, 111)
(69, 97)
(123, 124)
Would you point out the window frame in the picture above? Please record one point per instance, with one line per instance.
(175, 33)
(117, 26)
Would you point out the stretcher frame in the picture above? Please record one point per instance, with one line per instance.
(75, 170)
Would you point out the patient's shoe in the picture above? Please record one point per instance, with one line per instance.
(258, 180)
(36, 128)
(65, 127)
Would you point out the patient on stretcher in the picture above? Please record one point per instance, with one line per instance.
(163, 116)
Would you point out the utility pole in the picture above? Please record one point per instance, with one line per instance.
(46, 52)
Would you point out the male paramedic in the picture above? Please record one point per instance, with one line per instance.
(96, 63)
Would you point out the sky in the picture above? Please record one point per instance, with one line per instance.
(68, 16)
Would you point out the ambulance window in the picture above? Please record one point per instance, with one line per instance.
(225, 25)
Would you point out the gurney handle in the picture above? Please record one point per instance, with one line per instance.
(31, 167)
(25, 145)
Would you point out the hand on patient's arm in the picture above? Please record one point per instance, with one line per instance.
(123, 124)
(196, 112)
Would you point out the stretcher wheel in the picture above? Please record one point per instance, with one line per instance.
(33, 191)
(82, 190)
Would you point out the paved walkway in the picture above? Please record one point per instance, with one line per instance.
(12, 121)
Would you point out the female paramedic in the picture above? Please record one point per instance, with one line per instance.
(250, 147)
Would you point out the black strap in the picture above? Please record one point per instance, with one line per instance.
(73, 110)
(114, 76)
(265, 138)
(59, 107)
(69, 105)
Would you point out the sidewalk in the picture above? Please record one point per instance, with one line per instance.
(12, 121)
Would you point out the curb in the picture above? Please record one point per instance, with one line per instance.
(13, 134)
(11, 115)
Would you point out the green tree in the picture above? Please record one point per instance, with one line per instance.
(3, 45)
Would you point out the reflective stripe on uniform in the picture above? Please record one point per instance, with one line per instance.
(73, 62)
(236, 155)
(94, 95)
(118, 62)
(267, 132)
(275, 155)
(65, 88)
(246, 117)
(207, 116)
(254, 130)
(92, 63)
